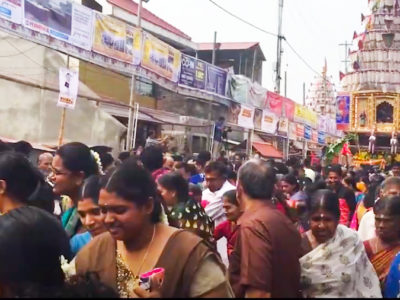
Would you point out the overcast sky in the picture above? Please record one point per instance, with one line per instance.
(315, 28)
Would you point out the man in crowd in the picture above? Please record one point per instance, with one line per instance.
(265, 261)
(44, 163)
(308, 172)
(237, 162)
(347, 198)
(396, 169)
(217, 184)
(202, 159)
(153, 141)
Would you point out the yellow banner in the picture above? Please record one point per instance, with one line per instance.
(161, 58)
(306, 116)
(299, 113)
(116, 39)
(310, 118)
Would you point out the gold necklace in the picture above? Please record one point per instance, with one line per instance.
(126, 279)
(145, 255)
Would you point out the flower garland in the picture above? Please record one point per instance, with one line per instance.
(97, 159)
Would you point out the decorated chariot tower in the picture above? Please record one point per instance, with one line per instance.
(374, 79)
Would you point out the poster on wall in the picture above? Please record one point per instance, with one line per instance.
(342, 111)
(68, 83)
(234, 111)
(258, 116)
(193, 72)
(115, 39)
(161, 58)
(11, 10)
(299, 130)
(246, 117)
(283, 126)
(216, 80)
(269, 122)
(292, 134)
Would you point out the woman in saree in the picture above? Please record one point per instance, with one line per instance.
(335, 263)
(383, 248)
(182, 210)
(137, 242)
(72, 163)
(296, 200)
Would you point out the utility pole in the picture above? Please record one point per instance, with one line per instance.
(209, 144)
(285, 84)
(279, 49)
(346, 54)
(132, 124)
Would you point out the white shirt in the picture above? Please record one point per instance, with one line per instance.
(310, 174)
(214, 209)
(216, 212)
(366, 230)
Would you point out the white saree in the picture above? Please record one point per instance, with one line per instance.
(339, 268)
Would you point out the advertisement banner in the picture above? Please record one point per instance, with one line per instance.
(314, 136)
(40, 15)
(216, 80)
(161, 58)
(292, 134)
(82, 27)
(299, 113)
(289, 107)
(193, 72)
(274, 103)
(115, 39)
(299, 130)
(310, 117)
(342, 111)
(257, 95)
(307, 132)
(244, 91)
(283, 126)
(331, 126)
(68, 83)
(258, 115)
(62, 19)
(234, 111)
(11, 10)
(239, 86)
(246, 117)
(321, 137)
(322, 126)
(269, 122)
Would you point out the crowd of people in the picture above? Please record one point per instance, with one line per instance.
(81, 223)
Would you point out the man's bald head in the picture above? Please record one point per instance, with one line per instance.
(44, 163)
(257, 179)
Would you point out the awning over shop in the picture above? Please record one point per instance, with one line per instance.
(267, 150)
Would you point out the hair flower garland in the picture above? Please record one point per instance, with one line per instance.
(97, 159)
